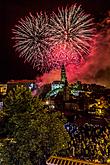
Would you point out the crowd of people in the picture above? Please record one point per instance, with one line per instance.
(91, 142)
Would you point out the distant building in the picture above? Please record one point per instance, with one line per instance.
(3, 89)
(57, 86)
(29, 84)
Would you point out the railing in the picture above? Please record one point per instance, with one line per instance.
(53, 160)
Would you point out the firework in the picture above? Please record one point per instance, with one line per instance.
(64, 38)
(31, 39)
(72, 33)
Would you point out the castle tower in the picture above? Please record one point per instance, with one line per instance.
(63, 74)
(64, 80)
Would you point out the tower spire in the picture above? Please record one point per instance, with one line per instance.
(63, 74)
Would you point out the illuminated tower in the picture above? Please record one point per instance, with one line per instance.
(64, 80)
(63, 74)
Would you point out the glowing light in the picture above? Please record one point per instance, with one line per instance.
(72, 33)
(53, 106)
(31, 39)
(47, 102)
(64, 38)
(100, 112)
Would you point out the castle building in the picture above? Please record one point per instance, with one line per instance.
(57, 86)
(63, 86)
(63, 74)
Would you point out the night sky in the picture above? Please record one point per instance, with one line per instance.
(12, 67)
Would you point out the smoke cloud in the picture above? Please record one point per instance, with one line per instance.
(96, 69)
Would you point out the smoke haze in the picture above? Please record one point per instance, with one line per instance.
(96, 69)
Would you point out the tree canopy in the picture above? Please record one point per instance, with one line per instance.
(32, 134)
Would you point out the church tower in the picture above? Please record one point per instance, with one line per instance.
(63, 74)
(64, 80)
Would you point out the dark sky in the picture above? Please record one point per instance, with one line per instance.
(11, 67)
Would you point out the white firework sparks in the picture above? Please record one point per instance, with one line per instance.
(31, 39)
(67, 37)
(72, 31)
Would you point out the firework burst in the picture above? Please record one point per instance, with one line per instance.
(64, 38)
(31, 39)
(72, 33)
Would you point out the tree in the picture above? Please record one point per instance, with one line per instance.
(32, 133)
